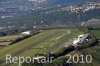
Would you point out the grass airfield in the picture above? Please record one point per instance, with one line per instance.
(42, 47)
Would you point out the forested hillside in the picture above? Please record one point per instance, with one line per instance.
(49, 17)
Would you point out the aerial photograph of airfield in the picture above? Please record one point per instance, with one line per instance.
(49, 33)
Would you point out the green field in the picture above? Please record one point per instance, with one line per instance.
(94, 52)
(44, 46)
(96, 33)
(40, 48)
(24, 43)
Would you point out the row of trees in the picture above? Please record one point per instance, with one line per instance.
(22, 38)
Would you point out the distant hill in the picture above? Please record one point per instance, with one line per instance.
(92, 22)
(61, 2)
(49, 17)
(44, 17)
(15, 3)
(31, 3)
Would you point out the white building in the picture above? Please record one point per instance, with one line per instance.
(26, 33)
(81, 39)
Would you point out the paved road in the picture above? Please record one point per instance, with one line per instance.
(30, 46)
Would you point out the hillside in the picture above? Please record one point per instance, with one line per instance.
(42, 3)
(64, 15)
(33, 13)
(15, 4)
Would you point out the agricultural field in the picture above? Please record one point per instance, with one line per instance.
(6, 40)
(10, 37)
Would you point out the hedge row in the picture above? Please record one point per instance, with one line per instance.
(22, 38)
